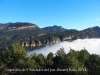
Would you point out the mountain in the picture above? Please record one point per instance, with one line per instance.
(67, 35)
(31, 36)
(16, 26)
(54, 28)
(12, 32)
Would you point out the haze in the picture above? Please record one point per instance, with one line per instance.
(92, 46)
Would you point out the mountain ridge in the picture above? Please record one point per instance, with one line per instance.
(30, 35)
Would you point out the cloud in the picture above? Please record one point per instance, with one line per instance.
(92, 46)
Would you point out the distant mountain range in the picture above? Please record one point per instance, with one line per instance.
(31, 36)
(54, 28)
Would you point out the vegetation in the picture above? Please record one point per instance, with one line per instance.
(14, 60)
(13, 32)
(9, 34)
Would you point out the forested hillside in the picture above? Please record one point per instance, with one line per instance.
(12, 32)
(15, 61)
(31, 36)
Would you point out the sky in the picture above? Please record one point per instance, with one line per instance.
(91, 45)
(70, 14)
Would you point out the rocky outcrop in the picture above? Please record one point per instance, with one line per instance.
(67, 38)
(19, 28)
(16, 26)
(51, 40)
(33, 44)
(39, 43)
(26, 43)
(30, 35)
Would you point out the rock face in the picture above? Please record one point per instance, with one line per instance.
(87, 33)
(30, 35)
(19, 28)
(39, 43)
(33, 44)
(67, 38)
(16, 26)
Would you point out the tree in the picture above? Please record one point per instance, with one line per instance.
(16, 57)
(18, 50)
(60, 52)
(49, 60)
(40, 60)
(83, 55)
(93, 64)
(73, 62)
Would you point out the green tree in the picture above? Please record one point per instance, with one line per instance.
(49, 60)
(73, 62)
(93, 64)
(16, 57)
(40, 60)
(60, 52)
(83, 55)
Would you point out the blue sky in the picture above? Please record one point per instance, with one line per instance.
(70, 14)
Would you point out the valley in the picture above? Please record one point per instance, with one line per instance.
(31, 36)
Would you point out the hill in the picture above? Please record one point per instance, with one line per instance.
(12, 32)
(54, 28)
(31, 36)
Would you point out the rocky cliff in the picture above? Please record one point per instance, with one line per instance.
(16, 26)
(30, 35)
(44, 42)
(41, 42)
(87, 33)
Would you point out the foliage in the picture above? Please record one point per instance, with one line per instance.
(73, 63)
(11, 32)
